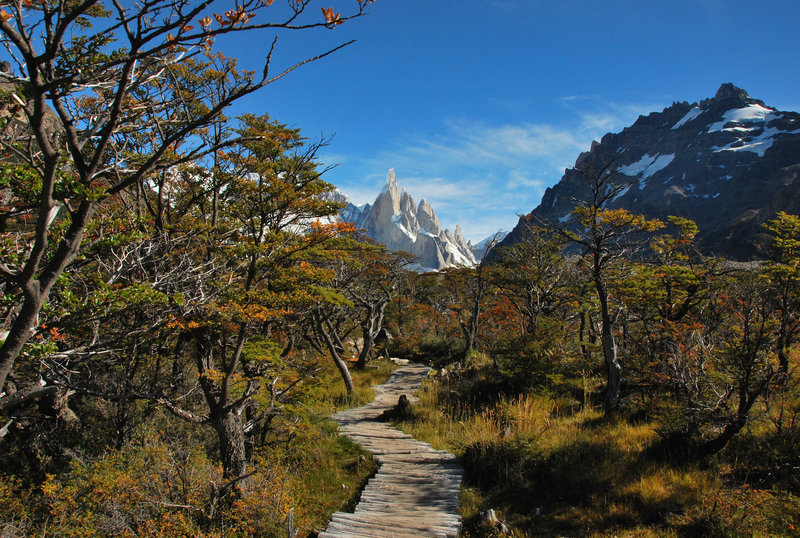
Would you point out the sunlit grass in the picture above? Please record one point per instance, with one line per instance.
(329, 394)
(587, 474)
(329, 468)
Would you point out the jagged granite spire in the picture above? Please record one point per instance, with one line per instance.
(397, 222)
(391, 183)
(427, 218)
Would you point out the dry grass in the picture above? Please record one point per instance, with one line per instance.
(328, 394)
(586, 474)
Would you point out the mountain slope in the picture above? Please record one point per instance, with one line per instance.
(396, 221)
(729, 163)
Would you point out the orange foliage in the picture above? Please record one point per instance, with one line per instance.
(331, 18)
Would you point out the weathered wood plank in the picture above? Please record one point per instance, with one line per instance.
(392, 527)
(416, 489)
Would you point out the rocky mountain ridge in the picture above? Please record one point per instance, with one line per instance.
(729, 163)
(395, 220)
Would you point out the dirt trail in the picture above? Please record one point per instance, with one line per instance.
(415, 491)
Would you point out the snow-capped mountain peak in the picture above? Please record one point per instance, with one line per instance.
(728, 162)
(395, 220)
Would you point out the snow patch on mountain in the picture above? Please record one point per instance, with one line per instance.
(753, 113)
(758, 145)
(480, 249)
(692, 114)
(647, 166)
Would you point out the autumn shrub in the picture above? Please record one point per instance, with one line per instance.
(434, 349)
(154, 489)
(18, 504)
(742, 511)
(147, 491)
(589, 474)
(530, 360)
(136, 490)
(262, 509)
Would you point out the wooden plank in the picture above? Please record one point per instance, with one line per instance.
(394, 527)
(416, 489)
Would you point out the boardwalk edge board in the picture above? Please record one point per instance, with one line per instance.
(415, 491)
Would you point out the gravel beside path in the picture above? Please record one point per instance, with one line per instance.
(415, 491)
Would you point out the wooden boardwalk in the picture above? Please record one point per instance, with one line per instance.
(415, 491)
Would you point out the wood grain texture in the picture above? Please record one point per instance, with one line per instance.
(415, 491)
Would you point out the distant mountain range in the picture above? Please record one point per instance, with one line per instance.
(729, 163)
(396, 221)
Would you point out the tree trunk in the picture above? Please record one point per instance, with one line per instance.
(20, 331)
(36, 291)
(230, 432)
(469, 337)
(613, 368)
(366, 349)
(747, 398)
(471, 330)
(370, 327)
(585, 351)
(783, 361)
(337, 360)
(711, 447)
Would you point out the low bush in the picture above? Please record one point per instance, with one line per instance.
(550, 463)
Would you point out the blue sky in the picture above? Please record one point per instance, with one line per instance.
(479, 105)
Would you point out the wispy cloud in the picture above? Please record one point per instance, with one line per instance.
(599, 116)
(522, 179)
(482, 175)
(467, 143)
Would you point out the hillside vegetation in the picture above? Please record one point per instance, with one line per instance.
(181, 311)
(700, 438)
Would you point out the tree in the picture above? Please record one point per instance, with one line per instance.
(420, 318)
(96, 103)
(606, 236)
(741, 357)
(666, 294)
(467, 289)
(363, 281)
(269, 212)
(268, 220)
(784, 274)
(210, 297)
(533, 275)
(707, 335)
(375, 285)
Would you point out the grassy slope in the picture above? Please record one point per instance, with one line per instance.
(585, 474)
(158, 484)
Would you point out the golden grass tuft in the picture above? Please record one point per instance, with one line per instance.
(589, 475)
